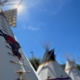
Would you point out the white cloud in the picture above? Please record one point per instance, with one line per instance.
(32, 28)
(24, 27)
(35, 27)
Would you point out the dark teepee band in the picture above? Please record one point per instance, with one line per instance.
(48, 56)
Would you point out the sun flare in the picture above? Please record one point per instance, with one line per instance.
(20, 9)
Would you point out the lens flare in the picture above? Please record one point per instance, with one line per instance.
(20, 8)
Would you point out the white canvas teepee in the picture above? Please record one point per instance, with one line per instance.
(50, 69)
(71, 70)
(14, 65)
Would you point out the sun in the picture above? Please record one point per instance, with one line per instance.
(20, 9)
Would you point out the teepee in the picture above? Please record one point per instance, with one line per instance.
(14, 65)
(71, 70)
(49, 69)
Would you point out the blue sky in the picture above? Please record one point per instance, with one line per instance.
(56, 22)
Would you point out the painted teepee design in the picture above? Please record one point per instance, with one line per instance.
(71, 70)
(14, 65)
(49, 69)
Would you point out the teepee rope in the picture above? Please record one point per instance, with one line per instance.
(8, 47)
(17, 62)
(11, 54)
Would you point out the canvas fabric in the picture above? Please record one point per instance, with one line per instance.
(52, 71)
(14, 44)
(71, 70)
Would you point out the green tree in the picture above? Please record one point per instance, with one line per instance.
(78, 66)
(63, 66)
(35, 62)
